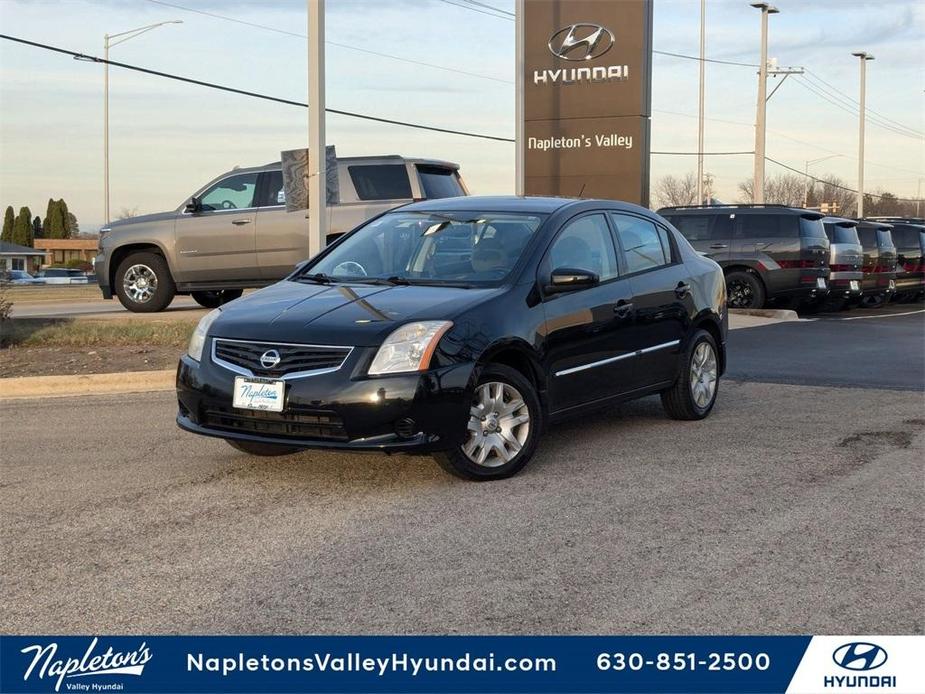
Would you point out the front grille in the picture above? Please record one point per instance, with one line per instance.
(293, 359)
(296, 422)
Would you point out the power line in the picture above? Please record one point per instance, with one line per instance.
(833, 185)
(476, 9)
(706, 60)
(706, 154)
(295, 34)
(491, 7)
(244, 92)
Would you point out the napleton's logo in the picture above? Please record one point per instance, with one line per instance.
(581, 42)
(45, 662)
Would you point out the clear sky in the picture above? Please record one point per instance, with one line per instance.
(169, 138)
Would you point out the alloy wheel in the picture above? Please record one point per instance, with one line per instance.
(740, 294)
(140, 283)
(499, 424)
(703, 374)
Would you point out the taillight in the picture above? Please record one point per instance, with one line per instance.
(797, 264)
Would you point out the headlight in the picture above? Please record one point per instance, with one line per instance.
(409, 348)
(198, 340)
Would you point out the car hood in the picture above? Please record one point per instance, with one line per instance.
(142, 219)
(338, 314)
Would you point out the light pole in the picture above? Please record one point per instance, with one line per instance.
(107, 44)
(315, 169)
(864, 57)
(810, 162)
(758, 187)
(703, 39)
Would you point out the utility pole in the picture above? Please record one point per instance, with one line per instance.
(703, 41)
(864, 57)
(758, 179)
(519, 9)
(809, 180)
(315, 171)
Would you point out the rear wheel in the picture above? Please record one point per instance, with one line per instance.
(744, 290)
(263, 449)
(216, 299)
(503, 427)
(143, 283)
(694, 392)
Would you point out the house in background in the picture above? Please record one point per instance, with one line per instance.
(14, 257)
(60, 251)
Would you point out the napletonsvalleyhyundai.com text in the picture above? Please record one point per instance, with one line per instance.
(403, 663)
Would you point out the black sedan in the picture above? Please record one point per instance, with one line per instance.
(462, 327)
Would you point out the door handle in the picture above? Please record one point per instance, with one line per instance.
(623, 308)
(720, 245)
(682, 290)
(240, 222)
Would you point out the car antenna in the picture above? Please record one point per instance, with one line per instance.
(582, 188)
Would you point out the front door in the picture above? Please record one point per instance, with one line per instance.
(588, 331)
(282, 237)
(217, 244)
(661, 296)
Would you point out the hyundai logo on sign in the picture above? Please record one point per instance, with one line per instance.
(859, 656)
(581, 42)
(269, 359)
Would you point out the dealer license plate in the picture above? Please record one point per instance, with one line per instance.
(855, 285)
(256, 394)
(820, 282)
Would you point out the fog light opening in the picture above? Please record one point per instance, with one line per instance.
(406, 428)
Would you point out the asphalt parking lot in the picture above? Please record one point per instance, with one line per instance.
(796, 508)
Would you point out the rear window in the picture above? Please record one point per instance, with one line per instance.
(868, 238)
(884, 239)
(812, 228)
(439, 182)
(769, 226)
(381, 181)
(906, 236)
(841, 234)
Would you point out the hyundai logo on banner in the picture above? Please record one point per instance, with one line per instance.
(593, 40)
(859, 656)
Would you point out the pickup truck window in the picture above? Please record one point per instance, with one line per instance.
(381, 181)
(232, 193)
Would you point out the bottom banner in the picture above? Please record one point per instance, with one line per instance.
(460, 663)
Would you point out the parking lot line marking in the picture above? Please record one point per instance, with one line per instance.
(887, 315)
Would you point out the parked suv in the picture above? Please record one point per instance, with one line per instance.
(769, 253)
(235, 233)
(845, 261)
(879, 283)
(909, 239)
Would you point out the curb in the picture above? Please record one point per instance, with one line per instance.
(775, 313)
(86, 384)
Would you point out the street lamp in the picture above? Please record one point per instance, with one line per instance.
(107, 44)
(758, 192)
(703, 40)
(864, 57)
(810, 162)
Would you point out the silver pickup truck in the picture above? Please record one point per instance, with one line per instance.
(235, 233)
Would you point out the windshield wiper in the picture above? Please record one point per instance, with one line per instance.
(318, 277)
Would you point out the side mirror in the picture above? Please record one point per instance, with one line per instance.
(566, 279)
(194, 205)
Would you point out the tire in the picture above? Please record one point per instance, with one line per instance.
(139, 297)
(680, 401)
(216, 299)
(263, 449)
(874, 301)
(744, 290)
(510, 457)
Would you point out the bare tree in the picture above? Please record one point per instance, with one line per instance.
(832, 190)
(671, 190)
(785, 189)
(127, 213)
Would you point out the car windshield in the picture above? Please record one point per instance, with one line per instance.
(456, 248)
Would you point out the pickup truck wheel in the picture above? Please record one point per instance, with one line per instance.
(216, 299)
(263, 449)
(143, 283)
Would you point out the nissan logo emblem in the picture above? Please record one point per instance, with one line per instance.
(859, 656)
(269, 359)
(580, 42)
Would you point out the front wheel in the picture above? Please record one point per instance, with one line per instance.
(143, 283)
(694, 392)
(503, 428)
(263, 449)
(216, 299)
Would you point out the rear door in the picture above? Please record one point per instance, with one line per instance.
(217, 243)
(710, 234)
(282, 237)
(662, 298)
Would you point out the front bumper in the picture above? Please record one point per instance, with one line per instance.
(345, 409)
(102, 275)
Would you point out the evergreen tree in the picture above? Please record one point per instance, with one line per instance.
(22, 227)
(37, 227)
(8, 219)
(69, 220)
(46, 225)
(54, 222)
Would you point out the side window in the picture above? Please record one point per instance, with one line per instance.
(381, 181)
(642, 244)
(768, 226)
(693, 227)
(722, 226)
(232, 193)
(273, 192)
(666, 243)
(585, 244)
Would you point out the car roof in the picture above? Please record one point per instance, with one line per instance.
(518, 203)
(840, 221)
(743, 208)
(871, 224)
(371, 159)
